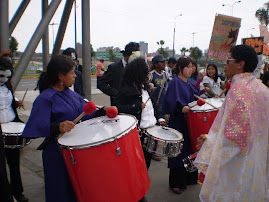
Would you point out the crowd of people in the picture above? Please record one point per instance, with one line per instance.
(235, 148)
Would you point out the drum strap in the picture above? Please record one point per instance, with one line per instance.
(44, 143)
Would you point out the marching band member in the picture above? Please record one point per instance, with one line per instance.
(180, 92)
(8, 113)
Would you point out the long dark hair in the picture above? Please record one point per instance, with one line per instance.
(216, 76)
(136, 72)
(182, 62)
(195, 74)
(59, 64)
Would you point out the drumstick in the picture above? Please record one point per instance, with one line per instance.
(24, 95)
(205, 101)
(227, 87)
(88, 108)
(199, 102)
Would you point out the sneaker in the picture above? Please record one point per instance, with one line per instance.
(156, 158)
(21, 198)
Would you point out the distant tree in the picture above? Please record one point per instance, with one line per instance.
(161, 43)
(111, 55)
(161, 50)
(196, 53)
(92, 52)
(13, 45)
(263, 14)
(183, 51)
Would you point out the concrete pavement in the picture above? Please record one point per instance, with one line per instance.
(32, 170)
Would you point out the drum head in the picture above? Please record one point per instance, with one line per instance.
(97, 131)
(217, 102)
(165, 133)
(12, 127)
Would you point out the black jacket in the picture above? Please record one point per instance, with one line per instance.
(129, 101)
(78, 85)
(110, 82)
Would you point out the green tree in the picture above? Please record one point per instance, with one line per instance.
(92, 52)
(161, 50)
(196, 53)
(161, 43)
(263, 14)
(13, 45)
(183, 51)
(111, 55)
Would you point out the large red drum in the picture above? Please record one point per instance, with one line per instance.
(105, 161)
(200, 119)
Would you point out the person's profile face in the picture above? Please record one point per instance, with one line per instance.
(230, 67)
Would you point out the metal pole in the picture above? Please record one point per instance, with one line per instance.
(4, 28)
(17, 16)
(174, 42)
(86, 48)
(62, 27)
(45, 39)
(174, 36)
(52, 24)
(75, 12)
(42, 26)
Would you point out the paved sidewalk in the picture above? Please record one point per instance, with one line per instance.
(32, 170)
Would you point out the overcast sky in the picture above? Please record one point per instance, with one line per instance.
(117, 22)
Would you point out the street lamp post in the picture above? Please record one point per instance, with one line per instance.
(53, 24)
(175, 34)
(193, 38)
(250, 29)
(231, 6)
(75, 13)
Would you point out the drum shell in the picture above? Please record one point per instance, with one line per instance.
(199, 123)
(15, 141)
(101, 175)
(162, 146)
(12, 132)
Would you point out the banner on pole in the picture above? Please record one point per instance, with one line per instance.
(224, 36)
(256, 42)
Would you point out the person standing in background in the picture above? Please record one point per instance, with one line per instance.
(78, 85)
(78, 66)
(110, 82)
(171, 64)
(100, 69)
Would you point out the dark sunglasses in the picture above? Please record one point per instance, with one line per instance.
(228, 60)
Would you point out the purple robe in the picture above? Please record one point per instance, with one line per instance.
(182, 92)
(53, 106)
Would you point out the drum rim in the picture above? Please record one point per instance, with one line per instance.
(165, 127)
(108, 140)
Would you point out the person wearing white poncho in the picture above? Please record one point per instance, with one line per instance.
(234, 157)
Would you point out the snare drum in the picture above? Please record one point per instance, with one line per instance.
(200, 119)
(105, 161)
(188, 163)
(190, 167)
(12, 132)
(163, 141)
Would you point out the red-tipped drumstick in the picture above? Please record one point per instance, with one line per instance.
(88, 108)
(206, 101)
(199, 103)
(111, 112)
(227, 87)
